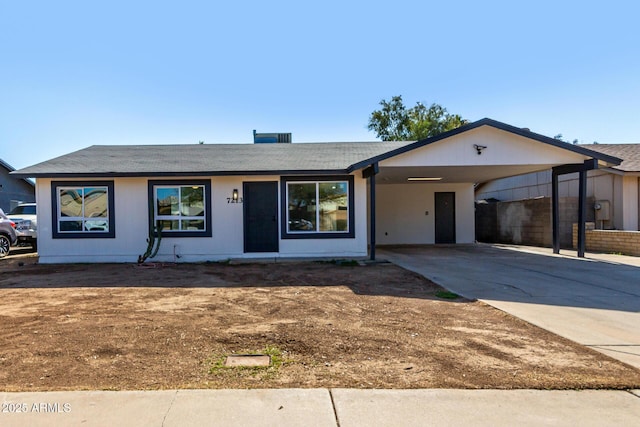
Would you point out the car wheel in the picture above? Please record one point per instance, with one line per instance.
(34, 244)
(5, 245)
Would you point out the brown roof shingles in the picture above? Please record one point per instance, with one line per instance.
(629, 153)
(215, 159)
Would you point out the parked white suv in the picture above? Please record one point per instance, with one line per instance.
(24, 215)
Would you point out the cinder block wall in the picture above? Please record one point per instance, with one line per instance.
(525, 222)
(486, 222)
(611, 241)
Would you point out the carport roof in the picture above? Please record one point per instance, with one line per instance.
(252, 159)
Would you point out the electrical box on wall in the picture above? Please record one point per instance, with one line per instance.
(603, 210)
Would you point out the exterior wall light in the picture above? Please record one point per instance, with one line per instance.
(479, 148)
(234, 195)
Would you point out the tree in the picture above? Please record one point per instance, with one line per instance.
(394, 122)
(574, 142)
(391, 122)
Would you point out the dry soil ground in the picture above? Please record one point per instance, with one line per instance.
(120, 326)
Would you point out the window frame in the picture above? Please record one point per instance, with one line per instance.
(152, 184)
(284, 207)
(111, 216)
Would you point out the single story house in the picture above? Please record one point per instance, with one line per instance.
(14, 190)
(219, 201)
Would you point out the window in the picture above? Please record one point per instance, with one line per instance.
(317, 208)
(82, 209)
(29, 209)
(181, 208)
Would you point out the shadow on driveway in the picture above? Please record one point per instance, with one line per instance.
(593, 301)
(530, 275)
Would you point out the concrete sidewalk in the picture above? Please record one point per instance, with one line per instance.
(321, 407)
(594, 301)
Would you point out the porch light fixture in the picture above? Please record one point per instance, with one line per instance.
(423, 178)
(479, 148)
(234, 195)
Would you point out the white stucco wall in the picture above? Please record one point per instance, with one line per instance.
(502, 148)
(131, 227)
(227, 241)
(406, 213)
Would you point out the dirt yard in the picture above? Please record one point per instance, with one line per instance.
(120, 326)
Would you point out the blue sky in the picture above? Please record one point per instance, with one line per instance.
(78, 73)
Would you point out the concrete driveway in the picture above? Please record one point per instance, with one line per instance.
(594, 301)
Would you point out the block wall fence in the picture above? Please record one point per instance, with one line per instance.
(610, 241)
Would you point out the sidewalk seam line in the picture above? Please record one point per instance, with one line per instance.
(632, 394)
(333, 405)
(175, 395)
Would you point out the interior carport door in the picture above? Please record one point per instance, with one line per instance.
(445, 217)
(260, 201)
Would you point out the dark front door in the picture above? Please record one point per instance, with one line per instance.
(446, 217)
(260, 201)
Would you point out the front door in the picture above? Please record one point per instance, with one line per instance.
(260, 200)
(445, 217)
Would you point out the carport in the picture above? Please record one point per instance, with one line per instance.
(422, 193)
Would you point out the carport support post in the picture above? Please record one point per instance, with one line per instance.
(582, 212)
(372, 197)
(581, 169)
(370, 173)
(555, 212)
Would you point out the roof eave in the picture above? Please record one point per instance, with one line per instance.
(199, 173)
(11, 169)
(617, 171)
(610, 160)
(551, 141)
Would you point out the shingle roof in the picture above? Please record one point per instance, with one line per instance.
(10, 169)
(629, 153)
(253, 159)
(211, 159)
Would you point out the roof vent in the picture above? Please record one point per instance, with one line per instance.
(271, 138)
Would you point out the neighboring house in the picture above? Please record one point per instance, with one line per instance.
(279, 200)
(613, 199)
(14, 190)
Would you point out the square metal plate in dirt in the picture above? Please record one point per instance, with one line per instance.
(248, 360)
